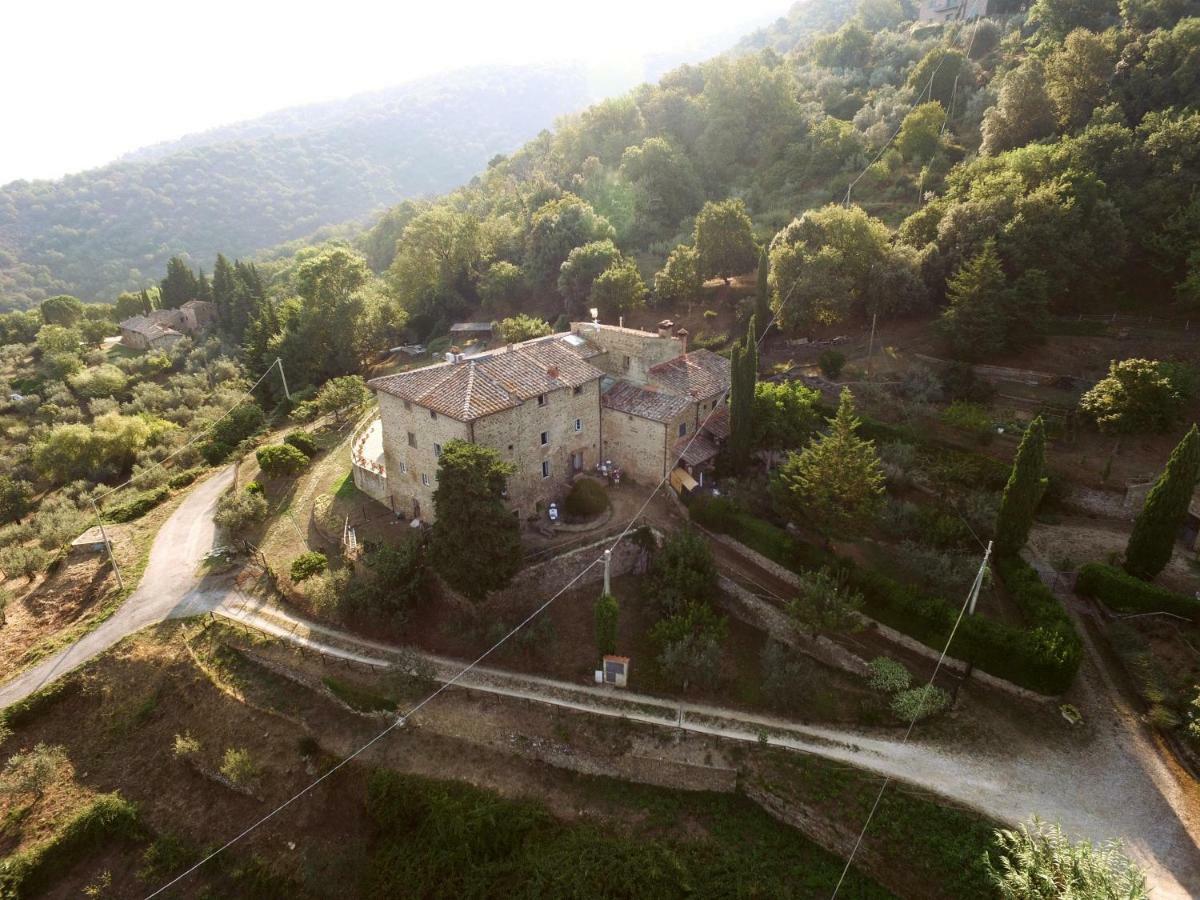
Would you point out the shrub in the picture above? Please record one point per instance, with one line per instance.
(1040, 861)
(1125, 593)
(185, 746)
(831, 362)
(238, 766)
(969, 417)
(888, 675)
(183, 479)
(586, 499)
(279, 460)
(710, 314)
(915, 704)
(32, 771)
(28, 561)
(306, 565)
(239, 510)
(302, 441)
(786, 680)
(137, 505)
(255, 487)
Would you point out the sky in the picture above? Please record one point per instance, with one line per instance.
(83, 82)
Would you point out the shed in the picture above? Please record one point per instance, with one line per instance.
(91, 541)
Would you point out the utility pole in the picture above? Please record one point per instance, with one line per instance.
(607, 571)
(108, 545)
(286, 392)
(973, 599)
(871, 344)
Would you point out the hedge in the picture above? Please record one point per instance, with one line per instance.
(1043, 658)
(587, 498)
(137, 505)
(1123, 592)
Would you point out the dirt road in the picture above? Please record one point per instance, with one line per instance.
(1106, 782)
(170, 588)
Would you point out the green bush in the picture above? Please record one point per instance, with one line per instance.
(302, 441)
(1123, 592)
(306, 565)
(607, 612)
(969, 417)
(887, 675)
(916, 704)
(183, 479)
(255, 487)
(137, 505)
(587, 498)
(279, 460)
(831, 362)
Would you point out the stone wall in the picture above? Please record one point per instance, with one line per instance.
(639, 446)
(516, 435)
(628, 353)
(404, 464)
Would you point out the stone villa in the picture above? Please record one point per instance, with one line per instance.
(162, 328)
(554, 407)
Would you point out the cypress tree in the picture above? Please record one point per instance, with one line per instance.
(224, 288)
(762, 299)
(1153, 537)
(736, 412)
(1024, 491)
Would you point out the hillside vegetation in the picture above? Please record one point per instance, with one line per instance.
(242, 188)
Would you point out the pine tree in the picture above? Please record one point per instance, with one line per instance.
(976, 318)
(835, 483)
(180, 285)
(762, 298)
(1153, 536)
(203, 288)
(224, 288)
(736, 411)
(1024, 491)
(147, 302)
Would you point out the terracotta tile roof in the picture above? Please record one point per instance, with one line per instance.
(492, 381)
(647, 403)
(699, 451)
(699, 374)
(717, 423)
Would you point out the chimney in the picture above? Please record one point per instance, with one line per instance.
(620, 321)
(664, 328)
(683, 336)
(552, 372)
(509, 348)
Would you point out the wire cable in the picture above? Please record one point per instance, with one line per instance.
(973, 592)
(488, 652)
(204, 431)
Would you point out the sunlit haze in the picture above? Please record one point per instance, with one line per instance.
(86, 82)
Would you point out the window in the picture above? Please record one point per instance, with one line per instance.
(437, 449)
(625, 362)
(578, 390)
(432, 414)
(403, 468)
(408, 405)
(545, 438)
(545, 468)
(424, 479)
(412, 439)
(541, 399)
(682, 428)
(578, 425)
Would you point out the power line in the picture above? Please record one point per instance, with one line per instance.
(247, 393)
(401, 719)
(968, 605)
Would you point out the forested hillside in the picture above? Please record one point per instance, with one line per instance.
(267, 181)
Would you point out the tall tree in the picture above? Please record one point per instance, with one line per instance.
(1153, 536)
(1137, 395)
(580, 270)
(1024, 491)
(975, 320)
(762, 293)
(62, 310)
(743, 378)
(618, 290)
(679, 282)
(723, 239)
(476, 540)
(836, 481)
(180, 285)
(224, 289)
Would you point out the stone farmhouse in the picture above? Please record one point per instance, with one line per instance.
(555, 407)
(162, 328)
